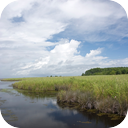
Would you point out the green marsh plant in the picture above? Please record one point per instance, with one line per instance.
(106, 93)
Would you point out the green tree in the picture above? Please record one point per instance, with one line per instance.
(124, 71)
(83, 74)
(106, 71)
(112, 72)
(118, 72)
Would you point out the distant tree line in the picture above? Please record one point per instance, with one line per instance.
(106, 71)
(54, 76)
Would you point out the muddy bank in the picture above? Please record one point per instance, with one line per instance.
(87, 100)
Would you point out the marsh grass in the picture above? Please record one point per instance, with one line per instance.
(9, 115)
(106, 93)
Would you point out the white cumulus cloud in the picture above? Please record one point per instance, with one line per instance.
(44, 37)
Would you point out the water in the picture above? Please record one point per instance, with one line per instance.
(37, 110)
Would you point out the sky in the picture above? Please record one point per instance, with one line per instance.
(61, 37)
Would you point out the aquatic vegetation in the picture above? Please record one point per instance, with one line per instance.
(2, 102)
(102, 114)
(92, 110)
(106, 93)
(45, 104)
(84, 122)
(37, 95)
(9, 91)
(9, 115)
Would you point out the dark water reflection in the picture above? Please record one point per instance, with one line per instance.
(40, 110)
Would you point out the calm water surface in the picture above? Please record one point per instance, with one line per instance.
(40, 110)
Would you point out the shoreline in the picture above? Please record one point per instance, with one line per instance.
(107, 94)
(76, 106)
(90, 105)
(86, 100)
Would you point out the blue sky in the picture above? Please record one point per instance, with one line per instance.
(62, 37)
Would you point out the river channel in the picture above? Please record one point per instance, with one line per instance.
(24, 109)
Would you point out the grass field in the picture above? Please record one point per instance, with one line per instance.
(106, 93)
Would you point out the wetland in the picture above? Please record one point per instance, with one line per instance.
(28, 108)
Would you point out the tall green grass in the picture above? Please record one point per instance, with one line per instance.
(108, 87)
(115, 86)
